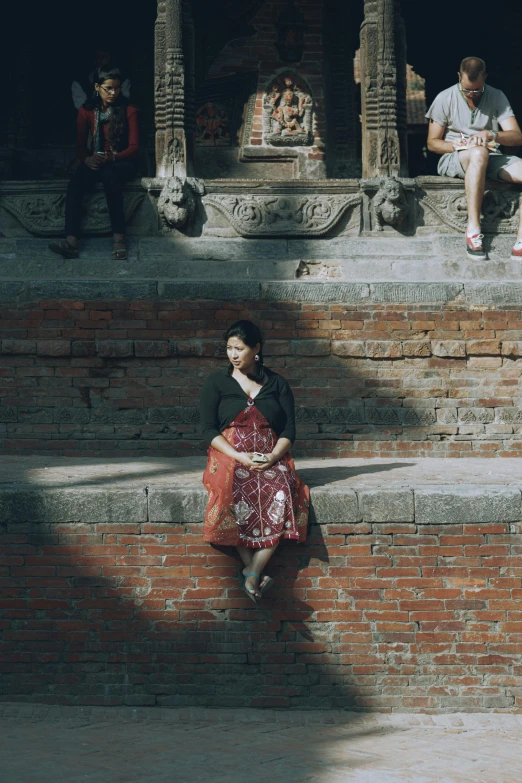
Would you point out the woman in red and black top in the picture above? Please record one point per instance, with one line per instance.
(112, 125)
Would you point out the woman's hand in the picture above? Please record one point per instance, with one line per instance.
(262, 466)
(100, 159)
(92, 163)
(245, 459)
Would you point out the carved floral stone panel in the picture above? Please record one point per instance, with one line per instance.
(43, 214)
(279, 215)
(499, 209)
(288, 112)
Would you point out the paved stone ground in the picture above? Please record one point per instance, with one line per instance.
(40, 744)
(65, 472)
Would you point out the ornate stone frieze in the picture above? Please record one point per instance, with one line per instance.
(390, 205)
(288, 112)
(42, 211)
(282, 215)
(499, 209)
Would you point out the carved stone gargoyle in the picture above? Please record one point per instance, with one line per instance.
(390, 204)
(177, 203)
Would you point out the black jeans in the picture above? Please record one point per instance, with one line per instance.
(112, 176)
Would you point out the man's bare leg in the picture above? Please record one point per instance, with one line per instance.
(474, 162)
(513, 174)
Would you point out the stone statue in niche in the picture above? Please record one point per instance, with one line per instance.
(390, 204)
(287, 112)
(212, 126)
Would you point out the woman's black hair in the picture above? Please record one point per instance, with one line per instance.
(251, 335)
(118, 120)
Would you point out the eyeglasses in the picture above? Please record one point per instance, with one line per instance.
(110, 89)
(472, 92)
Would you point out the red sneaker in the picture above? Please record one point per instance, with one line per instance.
(516, 251)
(474, 247)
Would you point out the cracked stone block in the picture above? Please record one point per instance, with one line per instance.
(483, 348)
(466, 505)
(18, 346)
(509, 415)
(348, 348)
(8, 414)
(311, 347)
(35, 415)
(450, 349)
(383, 349)
(416, 348)
(353, 415)
(71, 415)
(329, 507)
(312, 415)
(476, 415)
(115, 349)
(53, 347)
(151, 348)
(177, 505)
(76, 504)
(382, 505)
(512, 348)
(447, 415)
(83, 348)
(417, 417)
(166, 415)
(383, 415)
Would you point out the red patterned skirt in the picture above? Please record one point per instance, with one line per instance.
(246, 507)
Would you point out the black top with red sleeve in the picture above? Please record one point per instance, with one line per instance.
(222, 398)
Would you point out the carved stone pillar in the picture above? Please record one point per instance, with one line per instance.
(383, 90)
(173, 146)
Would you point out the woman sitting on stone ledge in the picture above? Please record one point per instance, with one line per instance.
(113, 127)
(255, 496)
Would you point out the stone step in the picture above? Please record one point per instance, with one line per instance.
(415, 259)
(425, 491)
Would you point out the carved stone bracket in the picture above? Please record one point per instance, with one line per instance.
(176, 200)
(282, 215)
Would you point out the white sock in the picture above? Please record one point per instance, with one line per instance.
(518, 244)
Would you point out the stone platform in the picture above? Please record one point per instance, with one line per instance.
(100, 745)
(406, 596)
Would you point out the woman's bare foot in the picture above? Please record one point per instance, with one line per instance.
(251, 582)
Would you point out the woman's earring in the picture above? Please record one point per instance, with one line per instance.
(256, 357)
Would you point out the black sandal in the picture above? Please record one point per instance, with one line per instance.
(64, 249)
(266, 584)
(119, 254)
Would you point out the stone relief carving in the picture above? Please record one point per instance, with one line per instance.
(288, 112)
(282, 215)
(43, 213)
(499, 210)
(390, 204)
(177, 202)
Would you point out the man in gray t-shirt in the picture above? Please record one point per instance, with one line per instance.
(467, 123)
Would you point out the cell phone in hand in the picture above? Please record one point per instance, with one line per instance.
(257, 457)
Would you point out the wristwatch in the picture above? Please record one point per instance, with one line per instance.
(495, 134)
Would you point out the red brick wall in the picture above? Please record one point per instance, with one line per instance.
(387, 617)
(259, 53)
(94, 378)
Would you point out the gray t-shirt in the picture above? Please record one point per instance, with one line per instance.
(451, 110)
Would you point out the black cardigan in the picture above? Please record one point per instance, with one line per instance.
(222, 398)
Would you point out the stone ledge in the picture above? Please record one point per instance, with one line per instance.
(344, 491)
(70, 716)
